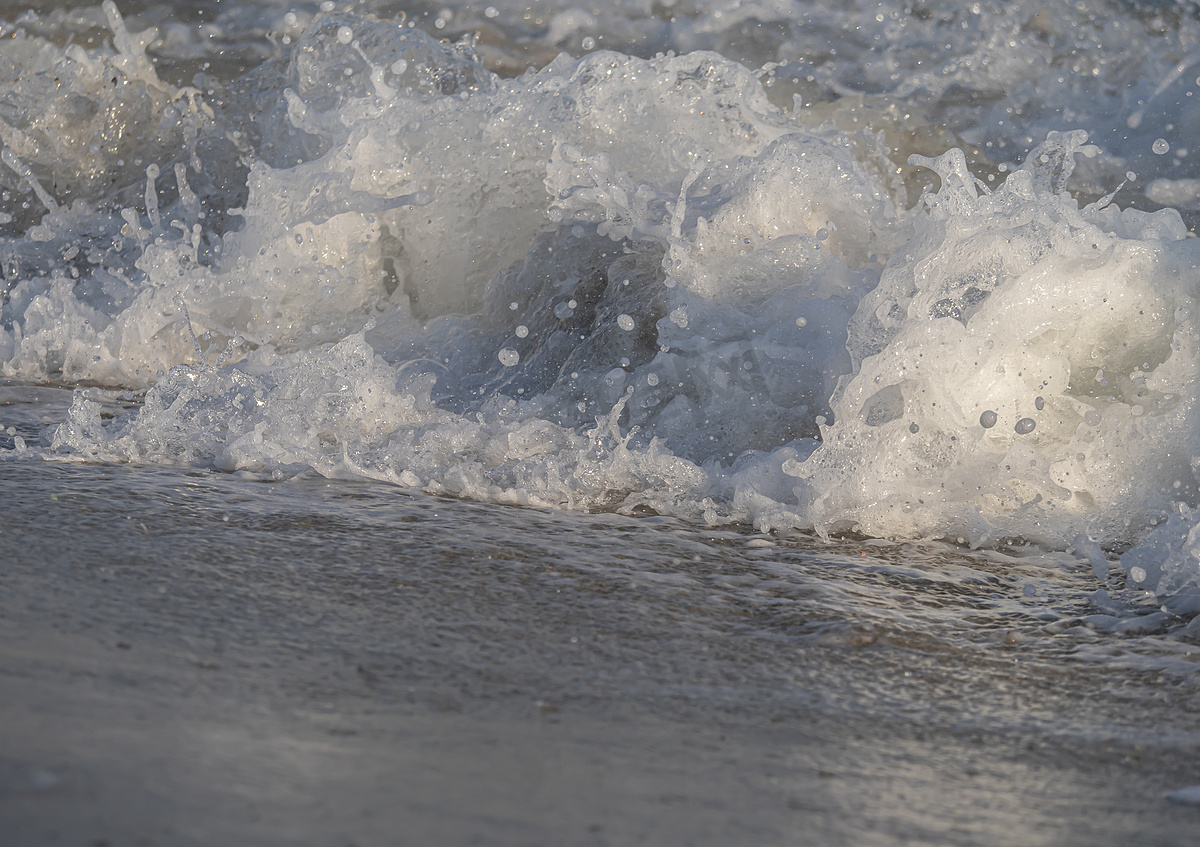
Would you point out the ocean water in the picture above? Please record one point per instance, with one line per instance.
(534, 411)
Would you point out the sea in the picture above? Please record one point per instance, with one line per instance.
(664, 422)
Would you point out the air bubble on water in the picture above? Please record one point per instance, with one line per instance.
(491, 12)
(588, 43)
(1092, 418)
(822, 234)
(509, 357)
(345, 35)
(820, 420)
(625, 322)
(564, 310)
(522, 331)
(988, 419)
(1025, 426)
(399, 66)
(513, 305)
(652, 379)
(1137, 574)
(1160, 146)
(801, 321)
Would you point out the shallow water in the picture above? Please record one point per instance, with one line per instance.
(407, 669)
(718, 422)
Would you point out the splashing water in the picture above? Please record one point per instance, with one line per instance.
(872, 286)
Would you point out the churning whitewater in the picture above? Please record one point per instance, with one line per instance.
(847, 291)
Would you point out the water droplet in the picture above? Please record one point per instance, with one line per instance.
(509, 357)
(625, 322)
(822, 234)
(1092, 418)
(1039, 403)
(988, 419)
(1025, 426)
(1137, 574)
(1160, 146)
(563, 311)
(913, 428)
(399, 66)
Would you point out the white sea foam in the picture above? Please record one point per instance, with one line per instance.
(625, 282)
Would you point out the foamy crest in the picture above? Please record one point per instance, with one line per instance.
(1024, 368)
(614, 282)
